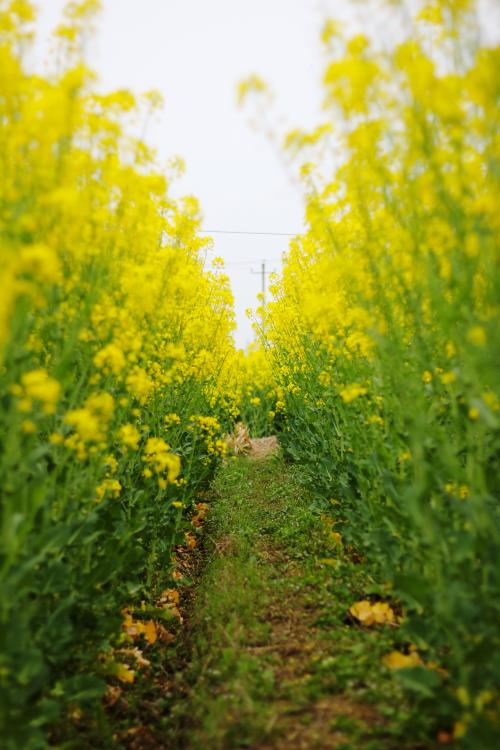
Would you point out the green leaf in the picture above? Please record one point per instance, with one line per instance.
(413, 586)
(419, 680)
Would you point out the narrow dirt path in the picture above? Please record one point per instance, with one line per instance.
(275, 661)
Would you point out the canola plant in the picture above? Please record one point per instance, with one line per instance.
(116, 377)
(378, 363)
(384, 337)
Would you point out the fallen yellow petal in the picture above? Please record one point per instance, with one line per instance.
(124, 673)
(397, 660)
(363, 612)
(150, 632)
(371, 614)
(383, 613)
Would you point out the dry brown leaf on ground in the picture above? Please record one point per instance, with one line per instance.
(239, 442)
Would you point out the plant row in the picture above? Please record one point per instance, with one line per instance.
(384, 339)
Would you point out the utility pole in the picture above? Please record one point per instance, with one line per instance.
(262, 273)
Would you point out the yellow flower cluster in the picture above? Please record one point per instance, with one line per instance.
(159, 459)
(37, 387)
(129, 436)
(383, 332)
(210, 430)
(89, 423)
(352, 392)
(256, 386)
(106, 310)
(108, 486)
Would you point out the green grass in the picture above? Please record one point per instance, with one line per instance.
(274, 657)
(230, 687)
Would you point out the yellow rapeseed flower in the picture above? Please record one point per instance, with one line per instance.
(352, 392)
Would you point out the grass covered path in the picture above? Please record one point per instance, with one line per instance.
(275, 660)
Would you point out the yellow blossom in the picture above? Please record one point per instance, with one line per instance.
(28, 426)
(448, 377)
(108, 486)
(139, 384)
(477, 336)
(375, 419)
(86, 423)
(111, 463)
(158, 455)
(42, 262)
(129, 436)
(110, 358)
(351, 392)
(37, 385)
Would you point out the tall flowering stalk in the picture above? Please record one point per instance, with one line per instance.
(384, 335)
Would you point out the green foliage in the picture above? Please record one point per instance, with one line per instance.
(114, 393)
(384, 339)
(416, 496)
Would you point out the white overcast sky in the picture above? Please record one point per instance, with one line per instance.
(195, 52)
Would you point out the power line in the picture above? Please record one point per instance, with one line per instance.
(237, 231)
(250, 261)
